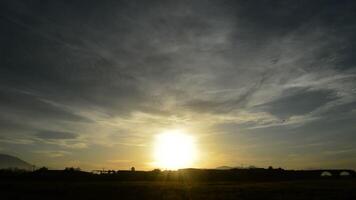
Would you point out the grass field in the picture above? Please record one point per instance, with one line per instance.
(308, 190)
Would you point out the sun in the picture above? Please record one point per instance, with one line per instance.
(174, 149)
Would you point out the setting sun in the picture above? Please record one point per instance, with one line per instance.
(174, 149)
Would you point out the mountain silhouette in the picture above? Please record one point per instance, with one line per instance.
(224, 167)
(7, 161)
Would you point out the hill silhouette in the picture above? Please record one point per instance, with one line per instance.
(224, 167)
(7, 161)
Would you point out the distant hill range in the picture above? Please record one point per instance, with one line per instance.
(237, 167)
(7, 161)
(224, 167)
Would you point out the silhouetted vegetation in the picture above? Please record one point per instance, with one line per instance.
(254, 183)
(249, 174)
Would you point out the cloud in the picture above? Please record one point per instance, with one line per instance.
(17, 104)
(225, 106)
(133, 68)
(56, 135)
(53, 154)
(14, 140)
(298, 101)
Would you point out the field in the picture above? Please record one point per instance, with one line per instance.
(293, 190)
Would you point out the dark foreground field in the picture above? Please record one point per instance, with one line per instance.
(311, 189)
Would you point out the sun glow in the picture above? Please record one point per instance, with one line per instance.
(174, 149)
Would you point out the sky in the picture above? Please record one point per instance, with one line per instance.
(264, 83)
